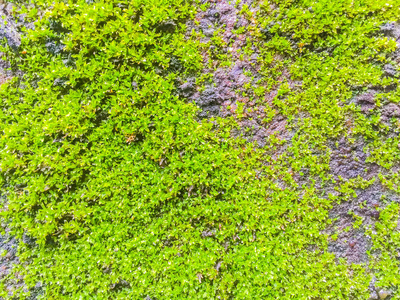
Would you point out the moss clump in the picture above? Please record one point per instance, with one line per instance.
(128, 195)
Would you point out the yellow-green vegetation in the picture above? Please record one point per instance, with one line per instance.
(338, 52)
(128, 195)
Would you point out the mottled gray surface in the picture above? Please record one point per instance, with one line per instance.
(8, 26)
(9, 33)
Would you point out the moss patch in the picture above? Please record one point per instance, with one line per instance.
(128, 195)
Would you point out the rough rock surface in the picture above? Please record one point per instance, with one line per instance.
(8, 27)
(9, 31)
(8, 246)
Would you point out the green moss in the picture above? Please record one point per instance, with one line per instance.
(128, 195)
